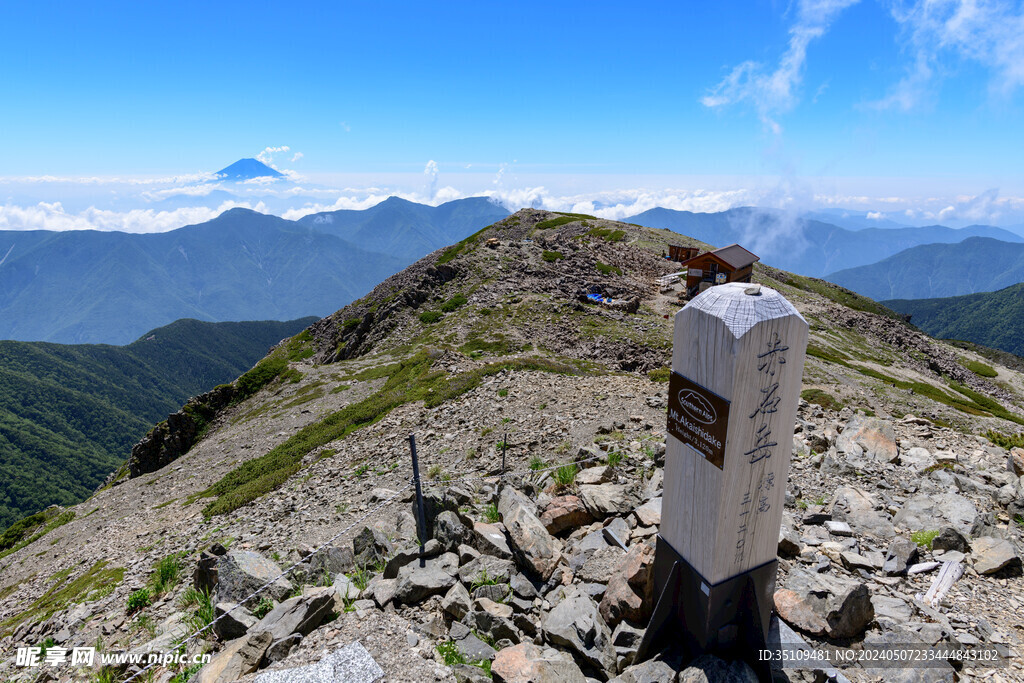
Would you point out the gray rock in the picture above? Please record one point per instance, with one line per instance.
(710, 669)
(382, 590)
(467, 673)
(457, 601)
(902, 553)
(857, 508)
(416, 583)
(887, 607)
(993, 554)
(605, 500)
(576, 623)
(599, 567)
(233, 621)
(649, 514)
(602, 474)
(927, 512)
(530, 541)
(824, 605)
(497, 569)
(498, 592)
(371, 546)
(352, 664)
(837, 528)
(651, 671)
(241, 572)
(626, 640)
(295, 616)
(529, 663)
(872, 437)
(523, 587)
(494, 625)
(471, 647)
(490, 540)
(239, 657)
(204, 578)
(449, 531)
(951, 539)
(564, 513)
(331, 561)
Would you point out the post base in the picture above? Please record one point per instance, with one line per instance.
(729, 620)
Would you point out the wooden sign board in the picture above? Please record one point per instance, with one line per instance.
(739, 350)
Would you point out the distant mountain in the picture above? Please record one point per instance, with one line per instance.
(808, 247)
(978, 264)
(69, 415)
(87, 287)
(993, 319)
(408, 230)
(108, 287)
(852, 220)
(247, 169)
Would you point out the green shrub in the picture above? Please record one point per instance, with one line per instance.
(979, 368)
(552, 256)
(607, 234)
(614, 458)
(536, 463)
(924, 538)
(263, 607)
(430, 317)
(662, 374)
(265, 372)
(168, 570)
(565, 476)
(503, 392)
(140, 599)
(454, 303)
(605, 269)
(491, 513)
(821, 398)
(202, 616)
(555, 222)
(17, 530)
(450, 653)
(1006, 441)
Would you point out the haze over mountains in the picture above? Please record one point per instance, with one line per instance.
(807, 246)
(109, 287)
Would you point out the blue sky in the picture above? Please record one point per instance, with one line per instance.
(817, 103)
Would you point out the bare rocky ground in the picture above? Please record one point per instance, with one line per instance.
(886, 485)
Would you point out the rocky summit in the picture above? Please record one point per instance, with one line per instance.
(280, 508)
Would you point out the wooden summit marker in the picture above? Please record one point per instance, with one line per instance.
(737, 365)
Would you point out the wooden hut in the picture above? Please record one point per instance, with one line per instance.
(728, 264)
(680, 254)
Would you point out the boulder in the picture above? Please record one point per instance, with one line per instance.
(565, 512)
(651, 671)
(530, 541)
(457, 601)
(902, 553)
(993, 554)
(238, 658)
(382, 590)
(416, 583)
(351, 663)
(602, 474)
(529, 663)
(604, 500)
(857, 508)
(626, 640)
(494, 625)
(871, 437)
(649, 514)
(630, 591)
(331, 561)
(471, 647)
(241, 572)
(1015, 463)
(926, 512)
(294, 618)
(371, 546)
(496, 569)
(204, 578)
(575, 623)
(450, 531)
(951, 539)
(599, 567)
(844, 606)
(490, 540)
(232, 621)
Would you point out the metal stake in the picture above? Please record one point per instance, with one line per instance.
(421, 519)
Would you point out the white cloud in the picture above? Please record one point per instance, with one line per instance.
(940, 32)
(297, 156)
(430, 170)
(875, 216)
(775, 92)
(53, 216)
(267, 155)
